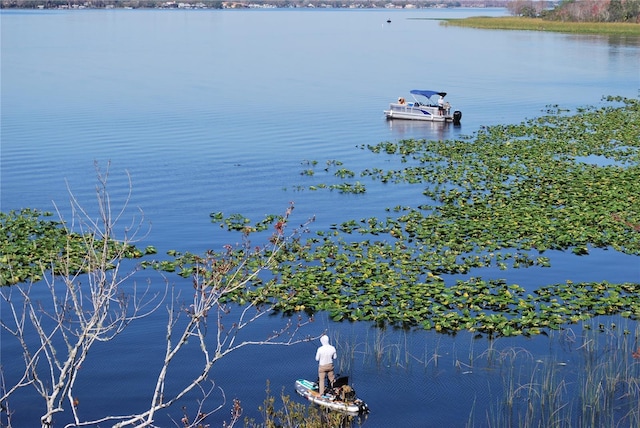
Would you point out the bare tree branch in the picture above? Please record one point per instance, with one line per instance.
(214, 279)
(96, 299)
(89, 304)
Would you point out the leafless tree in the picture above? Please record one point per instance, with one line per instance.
(216, 277)
(88, 305)
(96, 301)
(528, 8)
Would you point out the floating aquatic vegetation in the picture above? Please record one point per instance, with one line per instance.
(33, 243)
(499, 199)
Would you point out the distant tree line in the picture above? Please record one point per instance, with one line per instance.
(578, 10)
(555, 10)
(218, 4)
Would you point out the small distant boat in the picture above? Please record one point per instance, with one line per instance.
(341, 397)
(389, 21)
(424, 108)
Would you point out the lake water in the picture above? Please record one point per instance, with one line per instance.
(221, 110)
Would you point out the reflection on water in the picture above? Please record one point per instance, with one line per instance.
(614, 40)
(404, 129)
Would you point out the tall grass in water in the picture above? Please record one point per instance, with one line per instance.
(590, 376)
(384, 349)
(599, 387)
(377, 349)
(395, 349)
(610, 380)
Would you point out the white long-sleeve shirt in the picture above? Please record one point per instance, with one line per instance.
(326, 353)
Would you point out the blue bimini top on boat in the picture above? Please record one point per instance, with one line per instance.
(427, 93)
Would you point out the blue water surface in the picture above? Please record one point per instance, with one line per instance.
(221, 110)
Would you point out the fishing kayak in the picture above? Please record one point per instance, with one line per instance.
(341, 397)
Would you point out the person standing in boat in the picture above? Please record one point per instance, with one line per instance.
(325, 356)
(441, 105)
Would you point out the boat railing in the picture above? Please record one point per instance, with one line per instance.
(411, 107)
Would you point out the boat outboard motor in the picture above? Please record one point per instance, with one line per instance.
(457, 115)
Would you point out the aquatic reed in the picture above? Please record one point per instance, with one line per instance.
(599, 387)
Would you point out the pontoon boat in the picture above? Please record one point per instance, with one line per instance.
(424, 108)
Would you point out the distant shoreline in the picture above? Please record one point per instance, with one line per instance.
(251, 4)
(537, 24)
